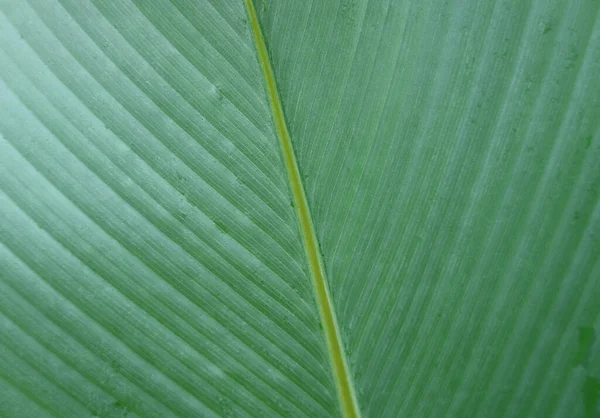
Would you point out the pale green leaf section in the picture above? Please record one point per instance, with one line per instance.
(152, 261)
(451, 156)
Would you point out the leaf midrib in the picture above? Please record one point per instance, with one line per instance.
(341, 375)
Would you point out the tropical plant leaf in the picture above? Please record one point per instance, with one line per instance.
(418, 236)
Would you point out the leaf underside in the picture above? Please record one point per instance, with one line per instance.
(151, 259)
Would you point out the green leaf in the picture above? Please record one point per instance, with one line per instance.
(323, 208)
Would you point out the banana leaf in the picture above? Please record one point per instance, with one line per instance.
(377, 208)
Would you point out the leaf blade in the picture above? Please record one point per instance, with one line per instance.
(151, 209)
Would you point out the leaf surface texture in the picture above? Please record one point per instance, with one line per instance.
(152, 262)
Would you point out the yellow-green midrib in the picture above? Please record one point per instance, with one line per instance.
(343, 380)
